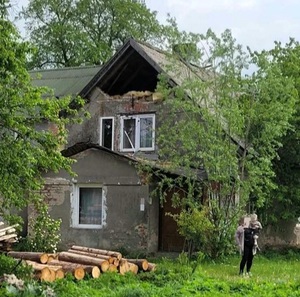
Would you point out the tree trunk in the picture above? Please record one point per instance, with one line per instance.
(151, 267)
(110, 259)
(33, 256)
(47, 275)
(83, 259)
(123, 266)
(71, 267)
(112, 268)
(97, 251)
(79, 273)
(133, 268)
(141, 263)
(38, 266)
(59, 274)
(51, 257)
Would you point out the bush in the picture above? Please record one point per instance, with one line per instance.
(9, 265)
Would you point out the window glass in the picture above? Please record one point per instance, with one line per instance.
(90, 206)
(129, 134)
(146, 132)
(107, 133)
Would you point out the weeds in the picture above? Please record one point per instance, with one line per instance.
(272, 276)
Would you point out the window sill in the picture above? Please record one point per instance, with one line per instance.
(95, 227)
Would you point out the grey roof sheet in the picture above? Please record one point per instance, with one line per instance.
(177, 69)
(64, 81)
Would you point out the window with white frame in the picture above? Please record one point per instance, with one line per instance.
(137, 133)
(107, 132)
(88, 206)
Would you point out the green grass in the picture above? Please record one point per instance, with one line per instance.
(273, 275)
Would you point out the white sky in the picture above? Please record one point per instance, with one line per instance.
(254, 23)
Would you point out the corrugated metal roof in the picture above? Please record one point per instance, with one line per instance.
(64, 81)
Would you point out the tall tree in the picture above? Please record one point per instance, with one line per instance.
(284, 202)
(76, 32)
(25, 152)
(229, 124)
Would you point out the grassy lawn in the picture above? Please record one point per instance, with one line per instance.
(276, 275)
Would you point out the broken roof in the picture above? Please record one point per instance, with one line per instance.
(64, 81)
(136, 65)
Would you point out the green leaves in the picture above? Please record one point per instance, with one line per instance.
(71, 33)
(229, 123)
(31, 131)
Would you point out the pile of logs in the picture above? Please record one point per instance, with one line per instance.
(80, 261)
(8, 236)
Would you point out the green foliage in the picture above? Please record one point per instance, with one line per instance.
(271, 277)
(72, 33)
(226, 123)
(44, 234)
(25, 151)
(283, 203)
(30, 290)
(9, 265)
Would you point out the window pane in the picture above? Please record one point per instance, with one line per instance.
(90, 206)
(146, 132)
(107, 130)
(129, 134)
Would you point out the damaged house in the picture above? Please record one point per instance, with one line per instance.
(109, 203)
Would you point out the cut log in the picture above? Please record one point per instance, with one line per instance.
(95, 272)
(9, 228)
(151, 267)
(141, 263)
(47, 275)
(82, 259)
(51, 257)
(59, 274)
(33, 256)
(8, 236)
(97, 251)
(39, 266)
(112, 268)
(79, 273)
(123, 266)
(133, 268)
(70, 267)
(110, 259)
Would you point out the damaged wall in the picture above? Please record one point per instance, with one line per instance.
(103, 105)
(126, 226)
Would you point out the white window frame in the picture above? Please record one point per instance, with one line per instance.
(75, 207)
(137, 147)
(113, 131)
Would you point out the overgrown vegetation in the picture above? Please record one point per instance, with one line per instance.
(226, 123)
(25, 151)
(273, 275)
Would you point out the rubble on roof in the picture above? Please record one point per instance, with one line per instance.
(140, 95)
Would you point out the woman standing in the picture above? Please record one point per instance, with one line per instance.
(244, 237)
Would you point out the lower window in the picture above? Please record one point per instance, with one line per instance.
(88, 207)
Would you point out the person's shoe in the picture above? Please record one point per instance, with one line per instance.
(248, 274)
(241, 273)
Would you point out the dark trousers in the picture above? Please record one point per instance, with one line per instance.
(247, 258)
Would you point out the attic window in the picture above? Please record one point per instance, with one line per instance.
(137, 133)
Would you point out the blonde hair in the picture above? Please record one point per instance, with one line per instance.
(253, 217)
